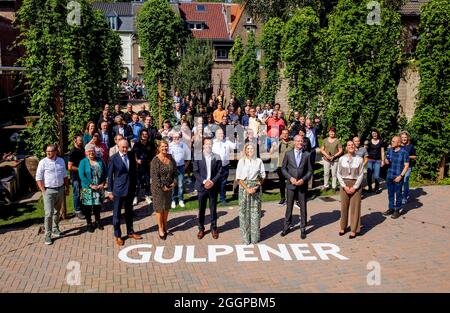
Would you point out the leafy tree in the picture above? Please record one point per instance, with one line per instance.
(194, 70)
(236, 52)
(272, 35)
(245, 83)
(431, 124)
(364, 65)
(301, 37)
(160, 33)
(59, 65)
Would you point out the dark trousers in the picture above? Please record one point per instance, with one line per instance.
(203, 196)
(87, 211)
(143, 181)
(292, 195)
(127, 202)
(223, 182)
(312, 157)
(282, 182)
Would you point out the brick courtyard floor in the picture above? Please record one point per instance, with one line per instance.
(413, 253)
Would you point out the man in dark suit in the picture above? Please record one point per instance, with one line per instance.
(122, 129)
(207, 173)
(297, 169)
(122, 187)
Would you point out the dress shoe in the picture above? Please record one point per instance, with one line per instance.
(396, 214)
(90, 228)
(388, 212)
(303, 234)
(134, 236)
(200, 234)
(119, 241)
(98, 226)
(215, 233)
(169, 233)
(285, 232)
(282, 202)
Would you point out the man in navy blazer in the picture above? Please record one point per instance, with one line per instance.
(297, 169)
(207, 173)
(122, 187)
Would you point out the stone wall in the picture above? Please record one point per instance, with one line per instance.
(407, 91)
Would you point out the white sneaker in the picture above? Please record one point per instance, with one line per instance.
(148, 199)
(173, 205)
(135, 201)
(181, 203)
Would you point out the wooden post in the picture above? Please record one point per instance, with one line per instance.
(441, 169)
(159, 102)
(59, 113)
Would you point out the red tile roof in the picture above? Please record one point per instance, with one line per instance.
(213, 18)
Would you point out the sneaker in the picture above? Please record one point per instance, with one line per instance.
(404, 201)
(223, 202)
(396, 214)
(388, 212)
(148, 199)
(173, 206)
(80, 216)
(181, 203)
(297, 205)
(57, 233)
(135, 201)
(282, 202)
(378, 191)
(48, 239)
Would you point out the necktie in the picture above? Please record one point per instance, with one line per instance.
(297, 157)
(125, 160)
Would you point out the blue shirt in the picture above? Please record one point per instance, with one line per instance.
(397, 160)
(245, 120)
(136, 128)
(411, 152)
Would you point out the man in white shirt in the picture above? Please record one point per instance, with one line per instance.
(224, 148)
(182, 155)
(51, 178)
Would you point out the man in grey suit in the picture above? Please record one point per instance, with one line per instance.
(297, 169)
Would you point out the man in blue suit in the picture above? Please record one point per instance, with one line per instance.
(207, 173)
(122, 187)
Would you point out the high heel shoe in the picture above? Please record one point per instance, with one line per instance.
(352, 236)
(163, 237)
(342, 233)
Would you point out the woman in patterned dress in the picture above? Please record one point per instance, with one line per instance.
(163, 176)
(92, 172)
(250, 174)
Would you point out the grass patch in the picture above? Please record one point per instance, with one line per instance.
(21, 215)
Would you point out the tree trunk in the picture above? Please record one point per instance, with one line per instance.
(59, 110)
(441, 170)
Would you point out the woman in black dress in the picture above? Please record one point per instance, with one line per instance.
(163, 174)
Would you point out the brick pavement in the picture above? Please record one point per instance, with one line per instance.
(413, 252)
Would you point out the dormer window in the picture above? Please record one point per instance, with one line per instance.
(249, 20)
(196, 26)
(113, 22)
(200, 8)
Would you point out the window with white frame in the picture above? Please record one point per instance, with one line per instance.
(112, 20)
(222, 53)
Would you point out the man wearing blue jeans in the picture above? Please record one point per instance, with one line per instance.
(182, 155)
(398, 159)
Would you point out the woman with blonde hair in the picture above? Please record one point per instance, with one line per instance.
(408, 147)
(350, 173)
(250, 174)
(163, 172)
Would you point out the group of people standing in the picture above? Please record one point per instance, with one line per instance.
(124, 154)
